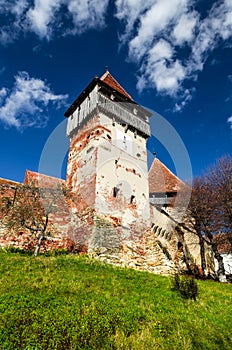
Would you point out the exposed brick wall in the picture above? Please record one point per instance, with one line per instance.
(59, 219)
(74, 226)
(106, 153)
(43, 181)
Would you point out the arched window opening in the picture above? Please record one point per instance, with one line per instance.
(132, 199)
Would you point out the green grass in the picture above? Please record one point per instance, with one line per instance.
(72, 302)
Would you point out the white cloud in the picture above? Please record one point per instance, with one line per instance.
(87, 14)
(4, 5)
(151, 47)
(25, 105)
(186, 97)
(160, 15)
(41, 16)
(164, 27)
(161, 70)
(168, 40)
(19, 6)
(84, 15)
(184, 29)
(3, 93)
(14, 18)
(229, 120)
(165, 76)
(217, 26)
(161, 50)
(46, 17)
(135, 8)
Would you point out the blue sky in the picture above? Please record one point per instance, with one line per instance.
(173, 57)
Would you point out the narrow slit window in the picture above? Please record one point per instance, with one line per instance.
(115, 191)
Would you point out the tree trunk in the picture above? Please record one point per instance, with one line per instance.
(202, 252)
(202, 249)
(37, 248)
(221, 269)
(221, 273)
(38, 245)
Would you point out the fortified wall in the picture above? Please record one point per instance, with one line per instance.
(110, 205)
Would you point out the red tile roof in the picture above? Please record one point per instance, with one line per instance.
(106, 80)
(161, 179)
(110, 81)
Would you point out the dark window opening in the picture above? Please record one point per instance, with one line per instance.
(180, 248)
(8, 204)
(90, 149)
(115, 191)
(132, 199)
(109, 137)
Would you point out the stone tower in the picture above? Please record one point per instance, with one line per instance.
(107, 162)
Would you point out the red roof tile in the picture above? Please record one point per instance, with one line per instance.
(110, 81)
(105, 80)
(161, 179)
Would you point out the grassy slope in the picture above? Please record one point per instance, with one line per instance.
(70, 302)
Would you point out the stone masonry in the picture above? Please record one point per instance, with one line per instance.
(116, 210)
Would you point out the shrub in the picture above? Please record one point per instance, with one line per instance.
(186, 286)
(16, 250)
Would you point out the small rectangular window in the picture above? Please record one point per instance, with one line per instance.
(115, 191)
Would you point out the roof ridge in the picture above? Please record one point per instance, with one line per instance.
(109, 76)
(162, 179)
(162, 164)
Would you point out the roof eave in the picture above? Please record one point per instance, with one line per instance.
(96, 81)
(81, 97)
